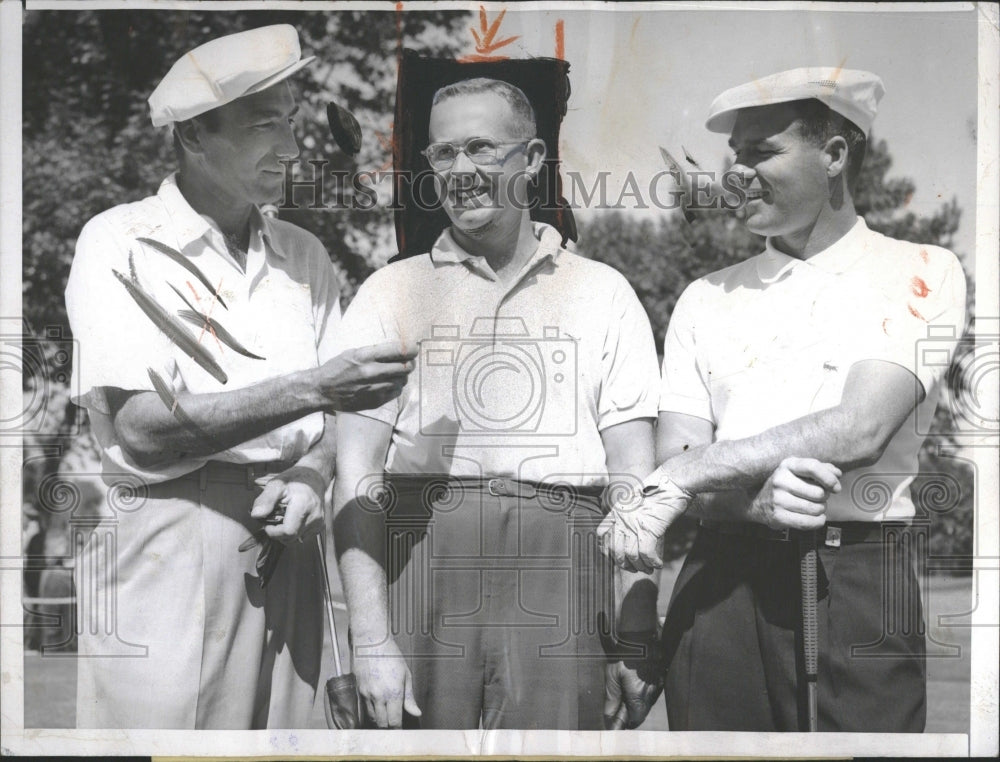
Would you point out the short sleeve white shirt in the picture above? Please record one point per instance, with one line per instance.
(514, 380)
(284, 308)
(772, 339)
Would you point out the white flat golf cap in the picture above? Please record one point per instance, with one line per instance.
(222, 70)
(852, 94)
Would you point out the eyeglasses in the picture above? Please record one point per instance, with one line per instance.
(481, 151)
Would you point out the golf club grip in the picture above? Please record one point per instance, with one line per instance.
(810, 587)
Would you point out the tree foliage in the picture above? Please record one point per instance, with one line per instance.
(88, 143)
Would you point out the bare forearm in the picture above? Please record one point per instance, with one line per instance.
(877, 398)
(359, 538)
(830, 436)
(202, 424)
(629, 448)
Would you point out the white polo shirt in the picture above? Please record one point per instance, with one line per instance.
(772, 339)
(512, 380)
(284, 308)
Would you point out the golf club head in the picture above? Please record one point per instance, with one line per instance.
(341, 703)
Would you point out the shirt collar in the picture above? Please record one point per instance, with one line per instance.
(836, 258)
(446, 249)
(189, 226)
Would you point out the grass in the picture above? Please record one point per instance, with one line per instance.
(50, 681)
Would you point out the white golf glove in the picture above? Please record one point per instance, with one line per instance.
(632, 532)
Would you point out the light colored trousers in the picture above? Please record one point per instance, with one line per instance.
(176, 630)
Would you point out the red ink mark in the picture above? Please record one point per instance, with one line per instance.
(918, 287)
(915, 313)
(923, 255)
(399, 38)
(388, 144)
(485, 44)
(560, 40)
(395, 140)
(884, 326)
(207, 324)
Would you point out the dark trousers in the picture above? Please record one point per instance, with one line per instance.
(733, 637)
(496, 602)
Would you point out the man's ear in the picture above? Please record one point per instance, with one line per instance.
(835, 152)
(188, 134)
(536, 151)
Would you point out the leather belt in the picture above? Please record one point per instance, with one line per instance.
(498, 487)
(833, 534)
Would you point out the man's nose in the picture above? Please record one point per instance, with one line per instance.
(744, 173)
(463, 164)
(288, 146)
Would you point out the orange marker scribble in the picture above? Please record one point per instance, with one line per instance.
(399, 37)
(918, 287)
(485, 45)
(885, 328)
(915, 313)
(388, 144)
(560, 40)
(923, 255)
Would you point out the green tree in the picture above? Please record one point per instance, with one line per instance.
(659, 261)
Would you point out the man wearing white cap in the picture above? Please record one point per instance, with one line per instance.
(791, 385)
(204, 334)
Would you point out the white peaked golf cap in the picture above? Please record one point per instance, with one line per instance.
(222, 70)
(852, 94)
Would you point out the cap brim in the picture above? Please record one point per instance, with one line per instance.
(722, 122)
(725, 120)
(278, 76)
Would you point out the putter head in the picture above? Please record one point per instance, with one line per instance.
(341, 705)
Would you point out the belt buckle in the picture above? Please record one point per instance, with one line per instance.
(496, 487)
(782, 535)
(833, 535)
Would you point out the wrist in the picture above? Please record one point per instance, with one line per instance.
(636, 648)
(305, 387)
(309, 475)
(368, 633)
(661, 481)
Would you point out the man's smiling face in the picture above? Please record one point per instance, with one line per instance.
(784, 174)
(482, 200)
